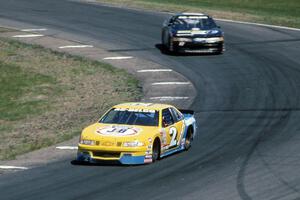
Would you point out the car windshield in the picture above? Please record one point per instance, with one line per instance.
(142, 117)
(189, 22)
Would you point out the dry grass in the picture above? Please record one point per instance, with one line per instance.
(49, 97)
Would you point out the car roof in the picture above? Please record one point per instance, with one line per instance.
(143, 105)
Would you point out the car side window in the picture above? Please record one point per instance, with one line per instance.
(167, 117)
(177, 116)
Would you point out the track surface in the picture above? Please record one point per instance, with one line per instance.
(247, 107)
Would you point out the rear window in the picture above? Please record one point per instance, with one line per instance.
(142, 117)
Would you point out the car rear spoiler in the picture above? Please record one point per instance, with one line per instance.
(191, 112)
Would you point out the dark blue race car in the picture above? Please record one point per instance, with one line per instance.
(192, 33)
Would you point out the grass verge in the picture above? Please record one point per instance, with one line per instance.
(48, 97)
(276, 12)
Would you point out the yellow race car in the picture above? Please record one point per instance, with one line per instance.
(137, 133)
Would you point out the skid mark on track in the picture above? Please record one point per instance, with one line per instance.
(261, 137)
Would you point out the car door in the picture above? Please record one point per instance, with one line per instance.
(178, 123)
(172, 127)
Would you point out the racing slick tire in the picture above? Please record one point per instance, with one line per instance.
(171, 48)
(188, 139)
(156, 150)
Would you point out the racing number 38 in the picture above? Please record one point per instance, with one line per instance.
(173, 124)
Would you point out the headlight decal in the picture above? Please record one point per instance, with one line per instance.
(87, 142)
(133, 144)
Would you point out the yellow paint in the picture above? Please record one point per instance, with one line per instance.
(145, 134)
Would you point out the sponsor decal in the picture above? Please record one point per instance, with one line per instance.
(135, 110)
(192, 17)
(141, 104)
(165, 147)
(118, 131)
(181, 44)
(163, 134)
(199, 32)
(182, 141)
(108, 143)
(148, 152)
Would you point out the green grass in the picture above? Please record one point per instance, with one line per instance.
(48, 97)
(23, 93)
(279, 12)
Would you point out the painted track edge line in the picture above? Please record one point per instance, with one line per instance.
(67, 147)
(12, 167)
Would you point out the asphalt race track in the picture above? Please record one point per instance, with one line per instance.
(247, 107)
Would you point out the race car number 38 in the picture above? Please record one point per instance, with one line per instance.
(117, 131)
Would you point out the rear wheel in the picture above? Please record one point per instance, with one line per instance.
(188, 139)
(155, 150)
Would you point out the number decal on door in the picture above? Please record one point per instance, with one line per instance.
(173, 134)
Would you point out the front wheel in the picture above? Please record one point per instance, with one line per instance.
(188, 139)
(155, 150)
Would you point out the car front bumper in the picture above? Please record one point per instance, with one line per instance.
(127, 156)
(198, 45)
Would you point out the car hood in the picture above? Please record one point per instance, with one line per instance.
(99, 131)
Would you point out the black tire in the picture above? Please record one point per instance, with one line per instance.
(155, 150)
(170, 50)
(163, 43)
(188, 139)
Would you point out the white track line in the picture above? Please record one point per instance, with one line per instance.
(76, 46)
(11, 167)
(154, 70)
(259, 24)
(118, 58)
(34, 29)
(171, 83)
(67, 147)
(27, 36)
(168, 98)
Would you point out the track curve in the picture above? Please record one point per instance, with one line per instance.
(247, 108)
